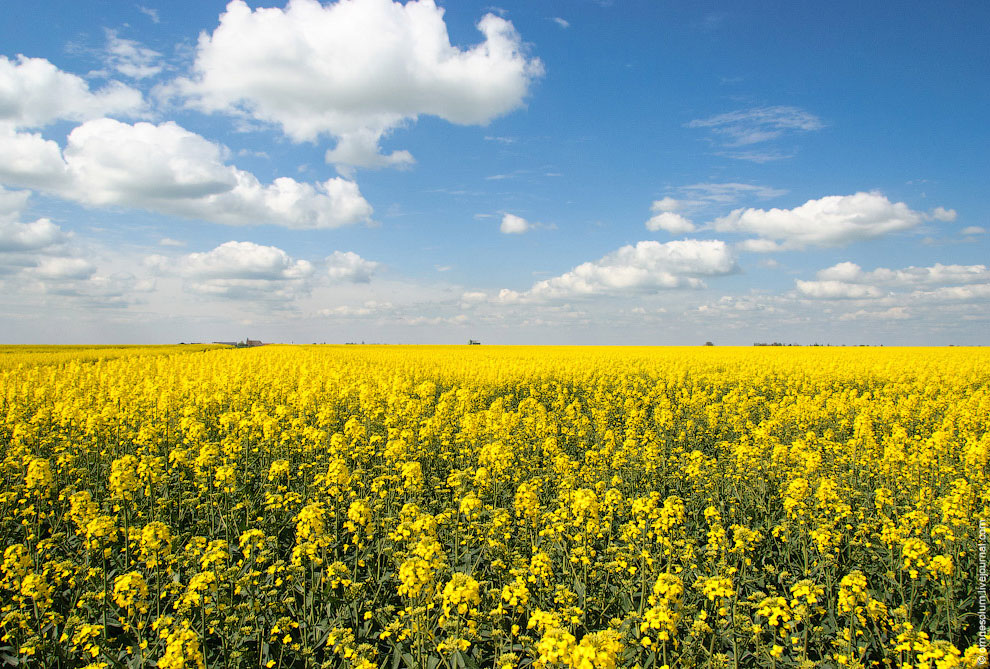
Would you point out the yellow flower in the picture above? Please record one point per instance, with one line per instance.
(39, 474)
(460, 594)
(130, 591)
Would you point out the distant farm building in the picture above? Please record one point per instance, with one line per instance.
(474, 342)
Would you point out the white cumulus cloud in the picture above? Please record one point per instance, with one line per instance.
(64, 268)
(837, 290)
(349, 266)
(244, 270)
(835, 220)
(168, 169)
(18, 237)
(847, 280)
(937, 274)
(34, 93)
(673, 223)
(355, 70)
(34, 236)
(648, 266)
(514, 225)
(944, 215)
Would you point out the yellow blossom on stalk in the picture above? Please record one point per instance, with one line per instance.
(101, 531)
(714, 587)
(584, 505)
(852, 592)
(940, 566)
(460, 594)
(556, 646)
(39, 474)
(84, 639)
(252, 543)
(744, 539)
(516, 593)
(36, 587)
(82, 508)
(225, 478)
(412, 475)
(776, 610)
(597, 650)
(130, 592)
(414, 575)
(540, 568)
(668, 587)
(200, 587)
(311, 524)
(671, 514)
(16, 565)
(914, 551)
(527, 501)
(805, 595)
(156, 542)
(278, 469)
(217, 553)
(182, 649)
(124, 477)
(470, 506)
(359, 515)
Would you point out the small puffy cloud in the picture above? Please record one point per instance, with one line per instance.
(563, 23)
(18, 237)
(648, 266)
(245, 270)
(64, 269)
(349, 266)
(35, 236)
(473, 297)
(973, 230)
(168, 169)
(514, 225)
(356, 70)
(34, 93)
(670, 222)
(937, 274)
(835, 220)
(892, 314)
(759, 246)
(666, 204)
(847, 280)
(837, 290)
(759, 124)
(944, 215)
(369, 308)
(168, 241)
(131, 58)
(973, 293)
(665, 217)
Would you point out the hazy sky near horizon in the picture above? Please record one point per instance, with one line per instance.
(525, 172)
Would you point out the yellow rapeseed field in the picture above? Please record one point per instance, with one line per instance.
(492, 507)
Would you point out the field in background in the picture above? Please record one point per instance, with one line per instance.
(29, 356)
(492, 507)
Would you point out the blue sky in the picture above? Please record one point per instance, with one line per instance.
(531, 172)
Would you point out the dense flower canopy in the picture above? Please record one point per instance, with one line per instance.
(492, 507)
